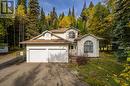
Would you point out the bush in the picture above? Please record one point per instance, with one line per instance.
(124, 77)
(121, 55)
(81, 60)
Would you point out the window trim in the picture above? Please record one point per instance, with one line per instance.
(88, 46)
(72, 34)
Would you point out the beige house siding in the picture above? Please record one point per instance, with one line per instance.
(80, 47)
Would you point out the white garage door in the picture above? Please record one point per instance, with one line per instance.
(48, 55)
(38, 55)
(58, 55)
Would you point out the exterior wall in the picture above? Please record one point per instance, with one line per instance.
(73, 52)
(80, 47)
(48, 37)
(67, 34)
(28, 47)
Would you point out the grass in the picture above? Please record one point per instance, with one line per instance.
(128, 53)
(98, 72)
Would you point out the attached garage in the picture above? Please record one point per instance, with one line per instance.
(45, 53)
(38, 55)
(47, 47)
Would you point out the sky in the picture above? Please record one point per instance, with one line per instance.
(64, 5)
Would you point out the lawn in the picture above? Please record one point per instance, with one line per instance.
(99, 72)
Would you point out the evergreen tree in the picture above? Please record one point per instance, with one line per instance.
(54, 19)
(96, 20)
(20, 21)
(42, 22)
(73, 12)
(61, 16)
(91, 5)
(69, 13)
(121, 29)
(73, 18)
(33, 14)
(83, 15)
(24, 3)
(53, 14)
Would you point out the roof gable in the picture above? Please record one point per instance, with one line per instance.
(41, 40)
(42, 36)
(89, 35)
(62, 30)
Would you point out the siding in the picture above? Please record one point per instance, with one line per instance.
(80, 47)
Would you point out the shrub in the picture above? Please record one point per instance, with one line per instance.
(81, 60)
(121, 55)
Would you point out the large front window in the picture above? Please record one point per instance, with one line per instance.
(71, 34)
(88, 47)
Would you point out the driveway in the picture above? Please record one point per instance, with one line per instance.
(36, 74)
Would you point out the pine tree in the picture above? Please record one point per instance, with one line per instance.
(84, 6)
(24, 3)
(91, 5)
(73, 18)
(121, 29)
(42, 22)
(53, 19)
(43, 15)
(53, 14)
(69, 13)
(61, 16)
(121, 22)
(83, 15)
(73, 12)
(33, 14)
(20, 21)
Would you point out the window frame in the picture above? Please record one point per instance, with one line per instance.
(88, 46)
(71, 34)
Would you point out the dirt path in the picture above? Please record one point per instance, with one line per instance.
(38, 75)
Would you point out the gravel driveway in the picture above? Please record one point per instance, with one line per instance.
(35, 74)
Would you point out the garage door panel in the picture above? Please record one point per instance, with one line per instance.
(47, 55)
(38, 55)
(58, 55)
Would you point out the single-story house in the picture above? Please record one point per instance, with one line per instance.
(58, 45)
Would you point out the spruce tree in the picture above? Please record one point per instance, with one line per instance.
(42, 21)
(24, 3)
(73, 18)
(33, 14)
(73, 12)
(83, 15)
(121, 22)
(69, 13)
(20, 21)
(61, 16)
(54, 19)
(121, 29)
(91, 5)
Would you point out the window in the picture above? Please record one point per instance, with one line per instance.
(88, 47)
(72, 47)
(71, 34)
(47, 35)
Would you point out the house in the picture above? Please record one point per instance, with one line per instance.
(58, 45)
